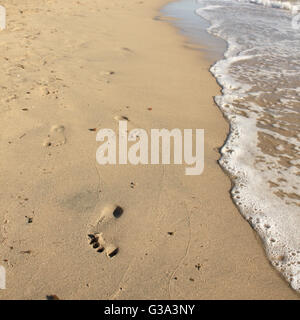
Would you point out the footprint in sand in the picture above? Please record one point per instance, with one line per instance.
(98, 240)
(44, 91)
(56, 136)
(108, 73)
(126, 50)
(121, 118)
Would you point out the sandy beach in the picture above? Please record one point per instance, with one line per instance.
(68, 69)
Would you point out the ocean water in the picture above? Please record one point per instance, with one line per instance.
(260, 78)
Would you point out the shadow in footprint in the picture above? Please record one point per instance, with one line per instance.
(56, 136)
(118, 212)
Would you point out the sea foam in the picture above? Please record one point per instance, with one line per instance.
(260, 79)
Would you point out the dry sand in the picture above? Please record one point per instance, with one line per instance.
(70, 66)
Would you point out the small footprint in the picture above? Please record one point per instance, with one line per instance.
(120, 118)
(127, 50)
(44, 91)
(98, 241)
(108, 73)
(56, 136)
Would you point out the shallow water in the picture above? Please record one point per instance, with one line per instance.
(260, 77)
(194, 28)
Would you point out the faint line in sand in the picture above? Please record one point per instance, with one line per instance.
(186, 250)
(119, 290)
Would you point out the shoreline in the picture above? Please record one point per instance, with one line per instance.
(190, 34)
(211, 253)
(247, 199)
